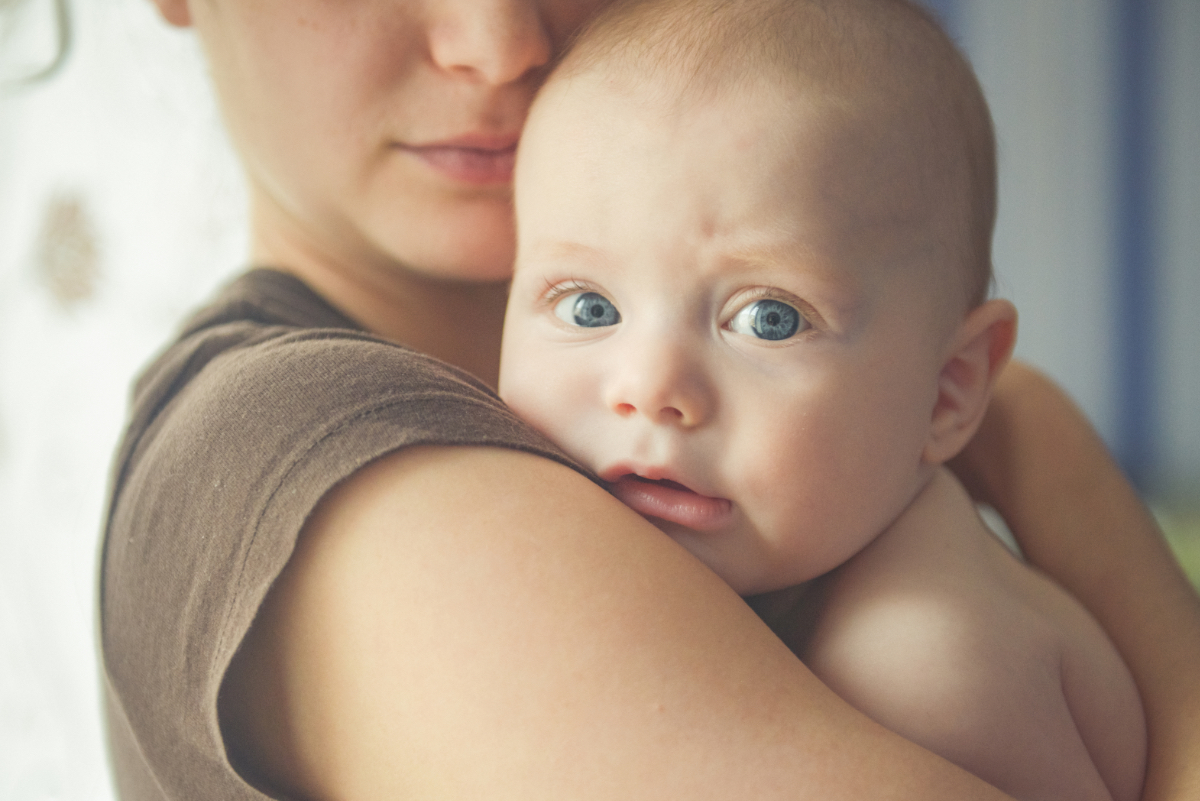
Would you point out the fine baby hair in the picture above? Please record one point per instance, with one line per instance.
(887, 60)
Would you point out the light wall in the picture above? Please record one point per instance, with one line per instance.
(1097, 111)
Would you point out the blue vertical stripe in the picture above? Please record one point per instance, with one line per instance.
(1134, 320)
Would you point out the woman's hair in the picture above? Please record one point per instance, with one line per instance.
(12, 16)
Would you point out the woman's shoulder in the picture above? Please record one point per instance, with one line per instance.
(269, 375)
(266, 338)
(266, 401)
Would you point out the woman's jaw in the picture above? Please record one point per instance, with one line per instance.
(452, 311)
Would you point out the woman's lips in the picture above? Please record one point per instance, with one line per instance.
(470, 159)
(672, 502)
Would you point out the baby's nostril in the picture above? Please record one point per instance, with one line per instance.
(625, 409)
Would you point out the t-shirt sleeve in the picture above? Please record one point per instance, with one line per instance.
(212, 492)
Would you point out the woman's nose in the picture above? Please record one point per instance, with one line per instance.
(494, 41)
(666, 385)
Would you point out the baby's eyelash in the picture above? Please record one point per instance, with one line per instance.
(767, 292)
(555, 290)
(772, 293)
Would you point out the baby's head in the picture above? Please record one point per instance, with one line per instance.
(753, 252)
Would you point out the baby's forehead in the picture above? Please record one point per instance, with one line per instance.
(853, 63)
(880, 74)
(703, 46)
(865, 149)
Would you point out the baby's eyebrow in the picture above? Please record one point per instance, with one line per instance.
(756, 256)
(758, 246)
(838, 289)
(557, 250)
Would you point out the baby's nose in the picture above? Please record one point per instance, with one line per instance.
(667, 414)
(665, 388)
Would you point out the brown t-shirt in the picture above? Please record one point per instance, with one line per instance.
(268, 399)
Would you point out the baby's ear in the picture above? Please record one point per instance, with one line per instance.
(175, 12)
(979, 350)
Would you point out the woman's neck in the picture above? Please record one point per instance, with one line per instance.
(458, 322)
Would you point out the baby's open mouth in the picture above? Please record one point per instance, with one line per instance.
(672, 502)
(664, 482)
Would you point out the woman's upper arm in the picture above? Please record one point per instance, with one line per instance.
(482, 623)
(1039, 462)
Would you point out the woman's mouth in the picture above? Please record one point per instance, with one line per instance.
(470, 159)
(672, 502)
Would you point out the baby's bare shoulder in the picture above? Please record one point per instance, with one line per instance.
(938, 633)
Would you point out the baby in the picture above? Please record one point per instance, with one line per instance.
(751, 295)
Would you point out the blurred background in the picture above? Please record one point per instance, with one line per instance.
(121, 208)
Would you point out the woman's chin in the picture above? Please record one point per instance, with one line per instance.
(466, 267)
(480, 250)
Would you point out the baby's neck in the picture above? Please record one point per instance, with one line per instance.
(942, 520)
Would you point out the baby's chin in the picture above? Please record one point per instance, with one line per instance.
(742, 578)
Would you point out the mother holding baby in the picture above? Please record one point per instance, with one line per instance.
(337, 567)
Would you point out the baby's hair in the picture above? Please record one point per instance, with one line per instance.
(888, 56)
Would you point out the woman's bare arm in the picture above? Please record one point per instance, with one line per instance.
(1039, 462)
(480, 623)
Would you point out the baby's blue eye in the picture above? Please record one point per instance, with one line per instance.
(767, 319)
(587, 309)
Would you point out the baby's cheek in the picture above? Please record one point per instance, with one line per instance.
(772, 484)
(788, 496)
(530, 399)
(522, 379)
(544, 390)
(513, 383)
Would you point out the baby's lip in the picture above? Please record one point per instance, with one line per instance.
(648, 472)
(652, 494)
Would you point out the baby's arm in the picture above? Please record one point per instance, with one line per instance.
(1042, 466)
(939, 635)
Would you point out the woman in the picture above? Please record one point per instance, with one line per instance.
(307, 592)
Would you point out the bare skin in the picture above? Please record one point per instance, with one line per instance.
(699, 682)
(644, 677)
(450, 627)
(937, 631)
(1046, 471)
